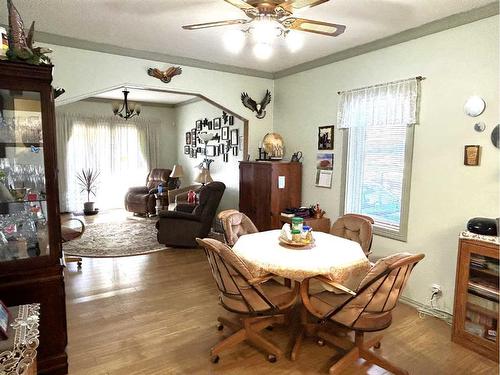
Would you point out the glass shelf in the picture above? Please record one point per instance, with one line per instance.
(23, 220)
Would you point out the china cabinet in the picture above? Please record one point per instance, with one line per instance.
(30, 245)
(475, 316)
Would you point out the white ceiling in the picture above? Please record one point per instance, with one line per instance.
(155, 25)
(146, 96)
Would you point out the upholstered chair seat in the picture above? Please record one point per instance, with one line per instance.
(235, 225)
(355, 227)
(141, 199)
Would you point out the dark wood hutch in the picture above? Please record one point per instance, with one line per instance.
(30, 247)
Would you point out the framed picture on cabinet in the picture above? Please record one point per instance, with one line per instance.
(234, 137)
(225, 133)
(199, 125)
(217, 123)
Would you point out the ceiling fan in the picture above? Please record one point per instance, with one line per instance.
(268, 19)
(279, 11)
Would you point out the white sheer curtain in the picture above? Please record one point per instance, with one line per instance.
(384, 105)
(122, 151)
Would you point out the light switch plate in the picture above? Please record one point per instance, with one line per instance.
(281, 182)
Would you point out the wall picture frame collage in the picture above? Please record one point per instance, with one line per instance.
(226, 140)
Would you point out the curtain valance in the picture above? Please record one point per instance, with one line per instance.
(387, 104)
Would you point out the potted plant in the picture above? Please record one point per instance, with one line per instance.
(87, 179)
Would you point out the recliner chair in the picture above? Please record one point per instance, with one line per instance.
(141, 199)
(180, 228)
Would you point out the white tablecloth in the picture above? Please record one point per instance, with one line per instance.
(338, 259)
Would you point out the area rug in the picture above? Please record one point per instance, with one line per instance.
(116, 239)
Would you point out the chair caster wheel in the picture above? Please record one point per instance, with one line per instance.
(220, 327)
(272, 358)
(270, 328)
(377, 345)
(214, 359)
(321, 342)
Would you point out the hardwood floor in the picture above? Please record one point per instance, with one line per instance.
(156, 314)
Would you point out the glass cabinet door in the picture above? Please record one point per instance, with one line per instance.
(482, 297)
(23, 208)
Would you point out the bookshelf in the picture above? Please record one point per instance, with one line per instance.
(475, 316)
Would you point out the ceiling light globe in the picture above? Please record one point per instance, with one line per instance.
(262, 51)
(264, 30)
(294, 40)
(234, 40)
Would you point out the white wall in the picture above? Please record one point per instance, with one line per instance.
(444, 193)
(228, 173)
(166, 116)
(82, 73)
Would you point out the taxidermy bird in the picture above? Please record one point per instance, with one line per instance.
(167, 75)
(21, 46)
(254, 107)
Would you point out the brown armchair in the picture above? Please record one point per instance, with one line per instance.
(254, 296)
(355, 227)
(180, 228)
(141, 199)
(235, 225)
(369, 309)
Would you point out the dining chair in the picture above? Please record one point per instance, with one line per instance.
(251, 294)
(69, 233)
(235, 224)
(355, 227)
(369, 309)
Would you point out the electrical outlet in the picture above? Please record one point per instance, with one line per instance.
(436, 289)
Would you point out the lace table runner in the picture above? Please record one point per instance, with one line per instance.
(23, 340)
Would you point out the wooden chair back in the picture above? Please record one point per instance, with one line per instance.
(355, 227)
(235, 225)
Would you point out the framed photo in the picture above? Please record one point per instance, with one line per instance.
(194, 154)
(217, 123)
(225, 158)
(222, 148)
(324, 178)
(199, 150)
(225, 133)
(231, 120)
(325, 138)
(188, 138)
(187, 150)
(193, 137)
(471, 155)
(234, 137)
(4, 320)
(199, 125)
(235, 151)
(205, 122)
(324, 161)
(212, 151)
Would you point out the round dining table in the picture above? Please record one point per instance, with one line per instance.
(340, 260)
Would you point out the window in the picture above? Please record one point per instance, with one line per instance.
(379, 139)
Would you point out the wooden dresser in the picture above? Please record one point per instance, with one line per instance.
(475, 315)
(267, 188)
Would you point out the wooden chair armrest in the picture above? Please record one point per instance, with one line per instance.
(335, 285)
(261, 279)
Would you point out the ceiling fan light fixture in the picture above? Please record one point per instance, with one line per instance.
(265, 30)
(294, 40)
(234, 40)
(262, 51)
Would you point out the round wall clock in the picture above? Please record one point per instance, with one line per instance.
(495, 136)
(474, 106)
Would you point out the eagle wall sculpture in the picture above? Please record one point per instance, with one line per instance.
(252, 105)
(167, 75)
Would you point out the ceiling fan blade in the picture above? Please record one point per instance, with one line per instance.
(311, 26)
(214, 24)
(243, 5)
(292, 5)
